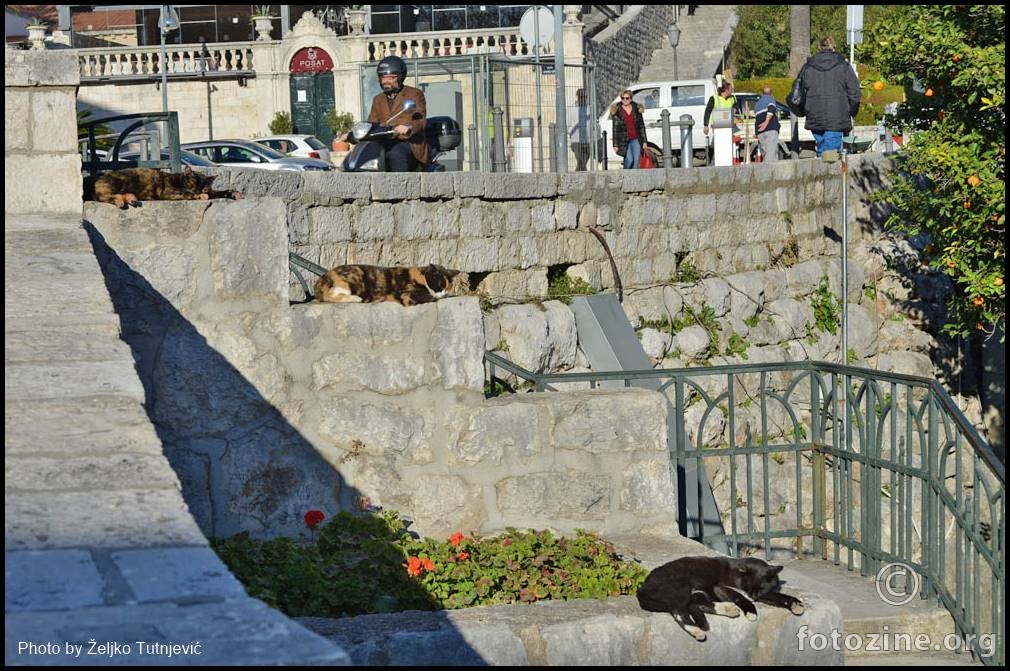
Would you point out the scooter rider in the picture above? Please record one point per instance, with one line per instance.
(410, 149)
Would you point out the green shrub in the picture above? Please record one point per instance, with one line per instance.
(370, 563)
(282, 124)
(339, 122)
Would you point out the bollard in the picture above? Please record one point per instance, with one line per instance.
(686, 141)
(472, 134)
(603, 156)
(552, 129)
(664, 119)
(498, 163)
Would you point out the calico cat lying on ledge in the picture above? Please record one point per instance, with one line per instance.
(376, 284)
(128, 187)
(690, 587)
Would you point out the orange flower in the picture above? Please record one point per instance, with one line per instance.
(427, 565)
(463, 556)
(414, 566)
(973, 180)
(456, 538)
(978, 301)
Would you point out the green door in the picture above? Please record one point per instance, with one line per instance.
(312, 98)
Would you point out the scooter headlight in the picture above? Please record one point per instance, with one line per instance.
(360, 130)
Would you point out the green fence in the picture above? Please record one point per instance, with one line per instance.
(853, 465)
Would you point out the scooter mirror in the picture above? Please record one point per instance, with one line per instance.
(407, 106)
(360, 130)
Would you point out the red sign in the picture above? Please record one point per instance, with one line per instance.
(311, 59)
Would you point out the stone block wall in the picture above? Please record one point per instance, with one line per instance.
(42, 168)
(267, 410)
(509, 230)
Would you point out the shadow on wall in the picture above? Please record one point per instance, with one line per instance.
(243, 467)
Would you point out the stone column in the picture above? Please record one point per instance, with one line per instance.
(42, 166)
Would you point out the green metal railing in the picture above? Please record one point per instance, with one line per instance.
(93, 164)
(837, 462)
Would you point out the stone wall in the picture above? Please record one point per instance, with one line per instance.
(621, 49)
(510, 230)
(342, 406)
(42, 168)
(268, 410)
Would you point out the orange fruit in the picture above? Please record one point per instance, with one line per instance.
(929, 93)
(978, 301)
(878, 85)
(950, 264)
(955, 57)
(973, 180)
(999, 281)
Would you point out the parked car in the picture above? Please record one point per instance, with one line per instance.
(187, 157)
(303, 146)
(249, 154)
(687, 96)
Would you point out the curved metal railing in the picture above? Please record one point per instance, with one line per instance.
(822, 460)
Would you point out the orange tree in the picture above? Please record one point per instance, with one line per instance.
(949, 187)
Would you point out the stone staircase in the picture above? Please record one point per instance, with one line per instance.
(864, 613)
(703, 38)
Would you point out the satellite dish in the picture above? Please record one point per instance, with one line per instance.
(537, 26)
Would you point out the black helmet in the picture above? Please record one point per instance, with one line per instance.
(393, 65)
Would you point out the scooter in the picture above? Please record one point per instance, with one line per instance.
(372, 140)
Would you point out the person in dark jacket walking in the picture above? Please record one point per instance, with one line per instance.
(832, 97)
(628, 130)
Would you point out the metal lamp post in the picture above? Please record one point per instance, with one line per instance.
(205, 62)
(674, 35)
(168, 21)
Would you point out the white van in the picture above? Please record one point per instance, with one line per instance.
(686, 96)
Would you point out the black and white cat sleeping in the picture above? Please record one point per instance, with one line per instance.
(690, 587)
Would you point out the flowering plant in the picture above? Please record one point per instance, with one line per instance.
(370, 563)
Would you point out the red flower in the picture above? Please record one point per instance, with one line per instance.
(506, 542)
(456, 538)
(314, 518)
(426, 563)
(414, 566)
(463, 556)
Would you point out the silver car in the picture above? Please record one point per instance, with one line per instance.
(248, 154)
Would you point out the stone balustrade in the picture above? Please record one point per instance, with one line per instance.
(129, 62)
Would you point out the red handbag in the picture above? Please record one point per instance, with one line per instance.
(646, 161)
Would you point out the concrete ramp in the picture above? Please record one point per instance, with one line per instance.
(610, 344)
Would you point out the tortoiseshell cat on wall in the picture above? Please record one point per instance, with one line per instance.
(376, 284)
(128, 187)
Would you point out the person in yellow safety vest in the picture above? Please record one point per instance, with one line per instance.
(723, 99)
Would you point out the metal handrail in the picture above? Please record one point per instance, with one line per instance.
(92, 163)
(843, 463)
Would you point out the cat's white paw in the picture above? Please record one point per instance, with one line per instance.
(752, 617)
(698, 634)
(727, 609)
(797, 608)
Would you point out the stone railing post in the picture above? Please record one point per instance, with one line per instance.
(41, 132)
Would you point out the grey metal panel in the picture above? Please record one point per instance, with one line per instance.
(609, 342)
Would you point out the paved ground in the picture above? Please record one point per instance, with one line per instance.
(103, 562)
